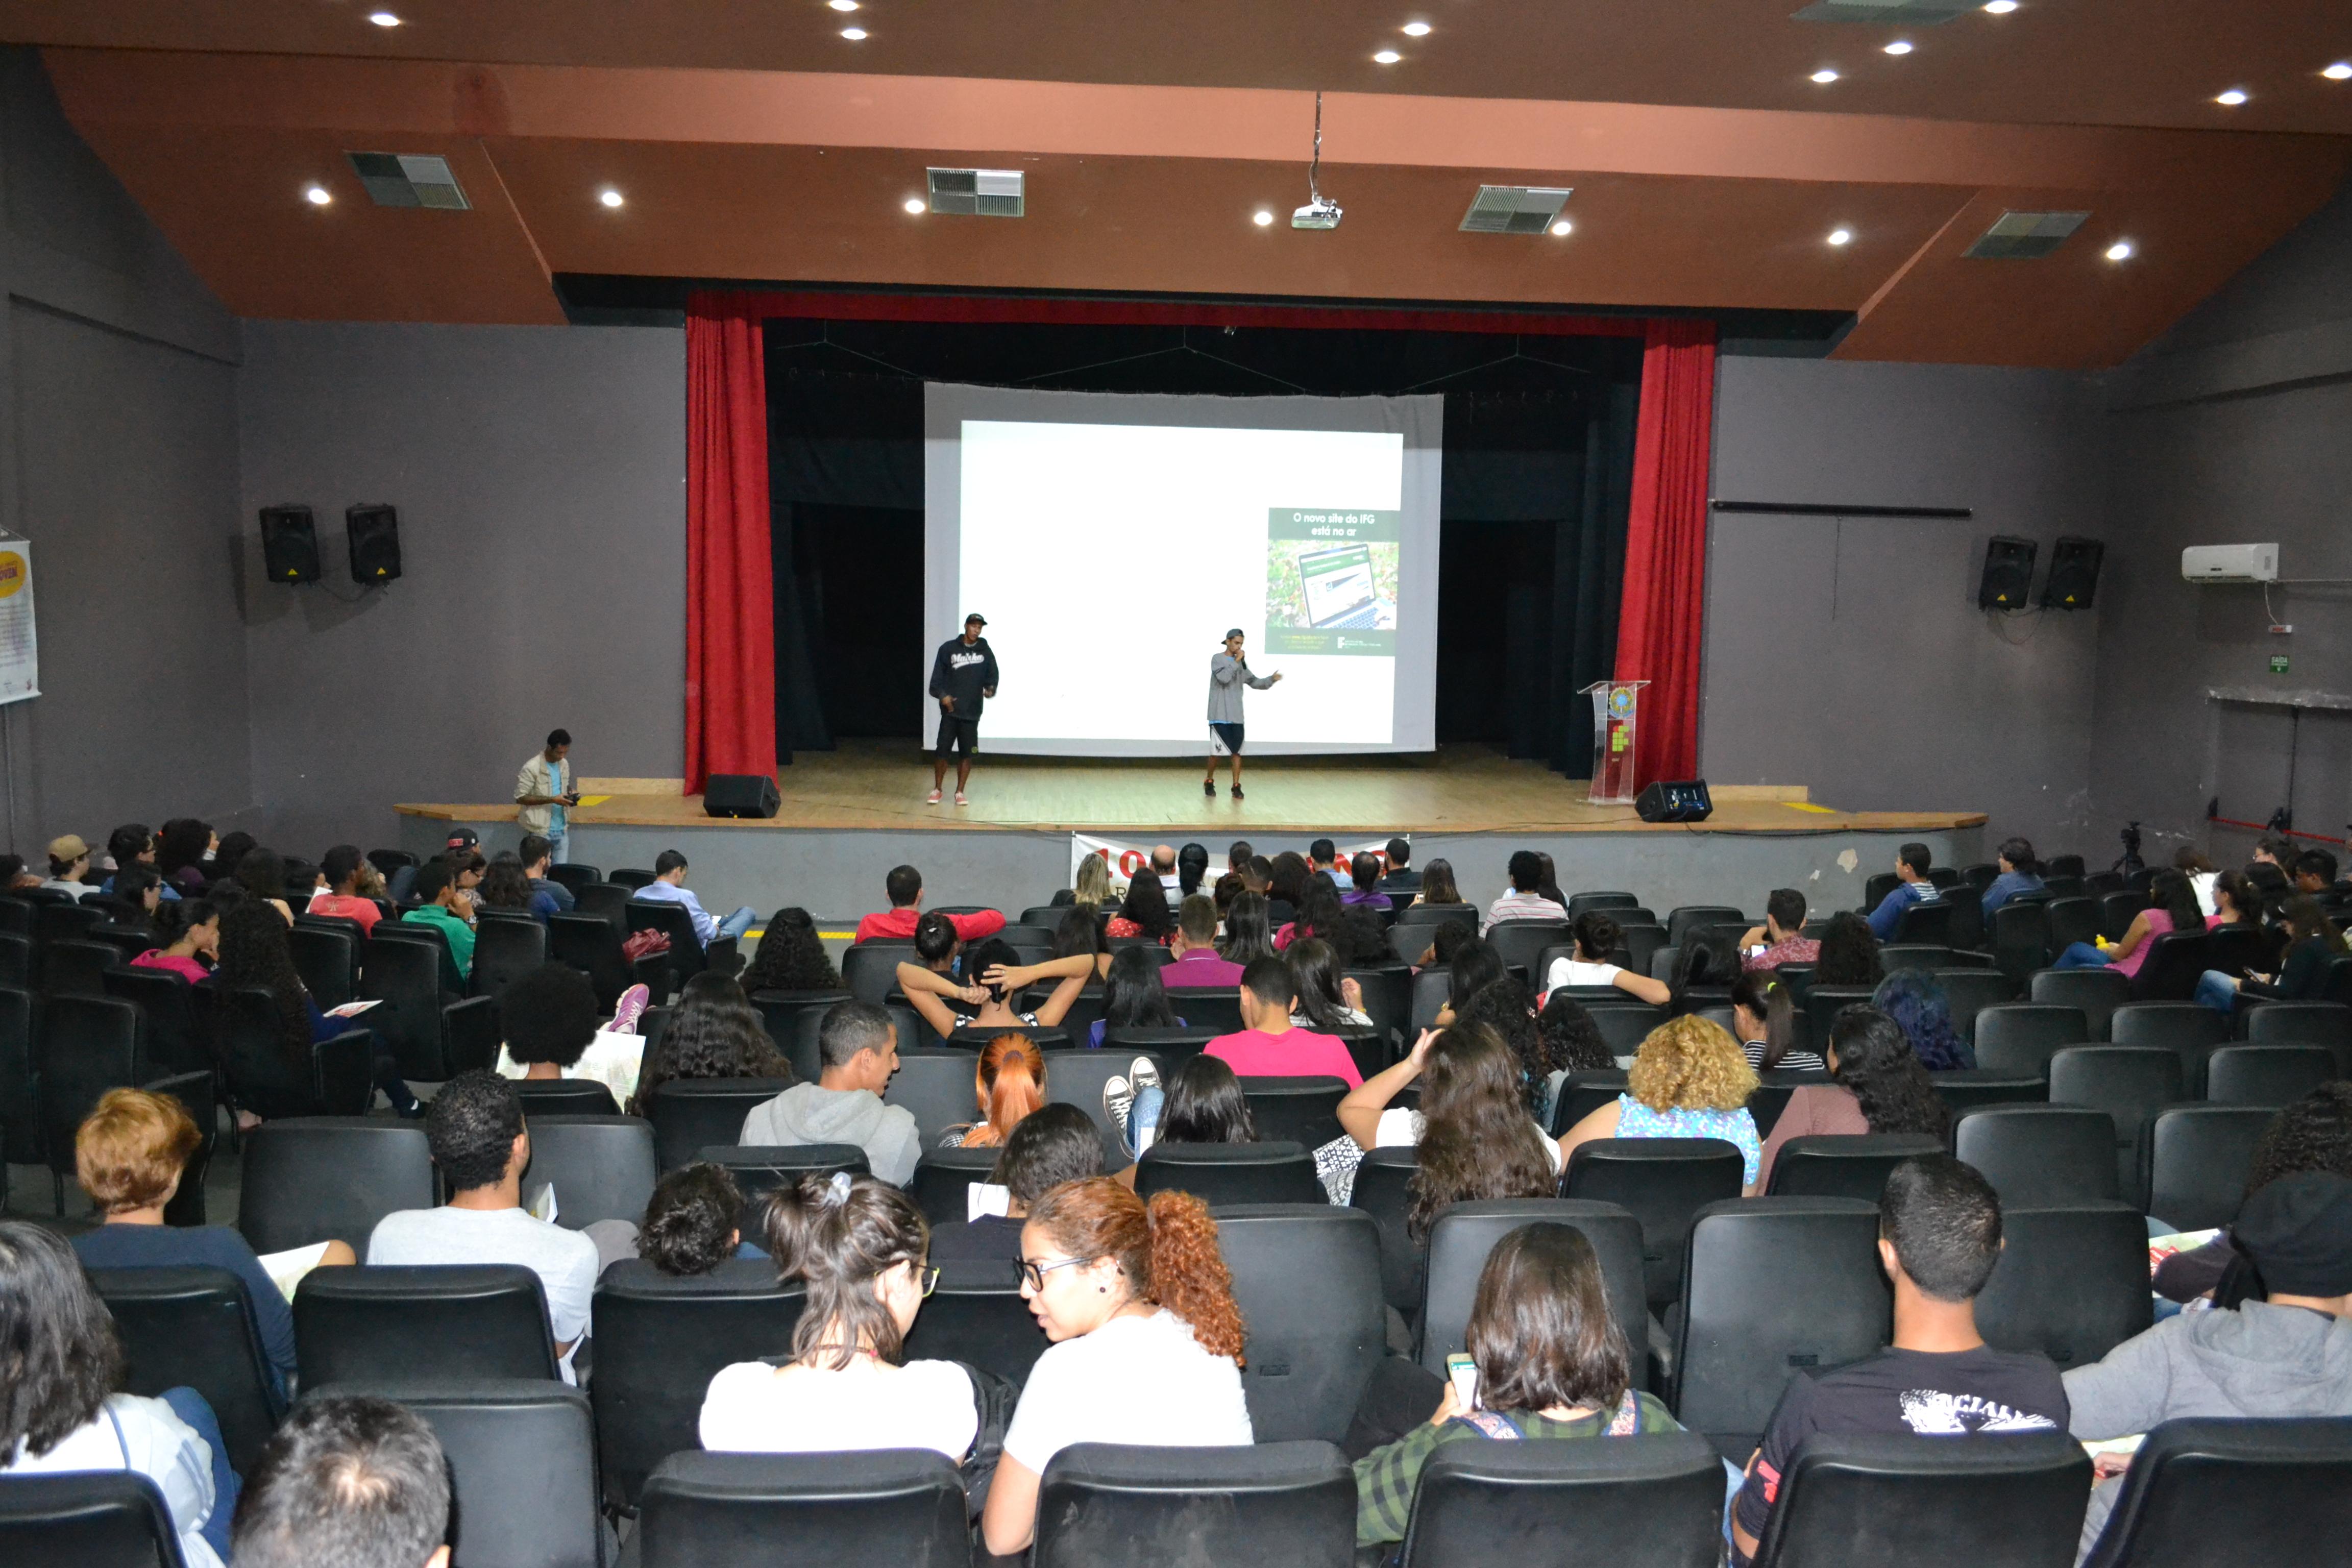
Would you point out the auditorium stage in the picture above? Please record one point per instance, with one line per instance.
(848, 815)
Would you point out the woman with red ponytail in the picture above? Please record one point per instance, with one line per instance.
(1009, 1085)
(1147, 1341)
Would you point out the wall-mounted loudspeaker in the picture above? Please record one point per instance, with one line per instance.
(374, 535)
(289, 544)
(2073, 573)
(1684, 802)
(2007, 578)
(739, 794)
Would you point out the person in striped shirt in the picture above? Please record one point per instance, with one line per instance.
(1523, 902)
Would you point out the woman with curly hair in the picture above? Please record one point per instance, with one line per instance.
(1473, 1133)
(1505, 1007)
(691, 1222)
(1147, 1339)
(1877, 1085)
(506, 886)
(1849, 954)
(714, 1032)
(1009, 1084)
(1573, 1041)
(1690, 1079)
(1918, 1005)
(791, 957)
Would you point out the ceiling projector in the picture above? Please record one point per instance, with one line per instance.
(1321, 213)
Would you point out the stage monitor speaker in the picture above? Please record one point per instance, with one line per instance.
(1686, 801)
(374, 535)
(289, 544)
(2007, 578)
(741, 795)
(2073, 573)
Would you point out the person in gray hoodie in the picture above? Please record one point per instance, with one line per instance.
(859, 1047)
(2288, 1356)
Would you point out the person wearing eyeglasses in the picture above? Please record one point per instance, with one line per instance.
(858, 1245)
(1147, 1341)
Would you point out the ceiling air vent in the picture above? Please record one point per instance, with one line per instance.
(1514, 209)
(409, 180)
(1920, 13)
(976, 193)
(2021, 237)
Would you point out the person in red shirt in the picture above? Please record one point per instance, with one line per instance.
(904, 887)
(1268, 1046)
(341, 869)
(1197, 961)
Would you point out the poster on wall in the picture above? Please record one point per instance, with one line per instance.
(19, 664)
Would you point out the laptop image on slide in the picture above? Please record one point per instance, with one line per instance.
(1338, 588)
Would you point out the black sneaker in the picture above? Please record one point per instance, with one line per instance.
(1209, 787)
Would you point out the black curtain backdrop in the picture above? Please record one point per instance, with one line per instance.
(1537, 463)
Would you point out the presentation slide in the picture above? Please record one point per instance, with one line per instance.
(1112, 541)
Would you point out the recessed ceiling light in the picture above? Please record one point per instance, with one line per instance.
(2234, 97)
(610, 198)
(1563, 227)
(1386, 58)
(1899, 46)
(843, 5)
(2000, 7)
(1261, 218)
(917, 205)
(1416, 29)
(1825, 76)
(318, 195)
(1841, 235)
(383, 19)
(2340, 71)
(2121, 251)
(852, 33)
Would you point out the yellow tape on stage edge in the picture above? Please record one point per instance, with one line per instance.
(1803, 805)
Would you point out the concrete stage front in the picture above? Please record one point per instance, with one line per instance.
(849, 815)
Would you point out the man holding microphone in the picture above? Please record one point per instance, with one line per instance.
(1228, 672)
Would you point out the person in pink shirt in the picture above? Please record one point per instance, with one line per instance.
(904, 887)
(1268, 1044)
(197, 947)
(1197, 961)
(343, 868)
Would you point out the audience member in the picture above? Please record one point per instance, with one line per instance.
(1361, 940)
(1877, 1085)
(1437, 884)
(181, 848)
(255, 955)
(904, 887)
(1145, 911)
(1552, 1364)
(1079, 933)
(1329, 999)
(1915, 999)
(1473, 1133)
(2312, 945)
(1573, 1041)
(1134, 996)
(192, 947)
(1911, 887)
(1939, 1238)
(1849, 954)
(1547, 884)
(669, 886)
(2274, 849)
(1052, 1144)
(1171, 880)
(68, 865)
(347, 1482)
(1505, 1007)
(139, 893)
(481, 1147)
(2272, 890)
(1596, 934)
(132, 845)
(1364, 873)
(342, 869)
(1764, 1016)
(506, 886)
(1323, 859)
(1319, 913)
(2020, 873)
(1269, 1045)
(2192, 863)
(994, 997)
(713, 1032)
(1288, 876)
(547, 1020)
(859, 1248)
(1781, 937)
(1249, 932)
(2234, 902)
(14, 878)
(1192, 871)
(261, 872)
(859, 1048)
(1147, 1339)
(1257, 876)
(2172, 906)
(1399, 880)
(1526, 901)
(2314, 1134)
(790, 956)
(536, 854)
(1690, 1079)
(1008, 1085)
(1090, 886)
(1229, 886)
(2315, 871)
(1472, 966)
(1205, 1105)
(1197, 960)
(228, 852)
(1239, 853)
(1705, 967)
(691, 1222)
(445, 909)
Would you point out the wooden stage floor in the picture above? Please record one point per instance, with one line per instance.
(1461, 789)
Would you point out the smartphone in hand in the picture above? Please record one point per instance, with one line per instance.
(1462, 1373)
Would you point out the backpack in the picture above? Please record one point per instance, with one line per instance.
(644, 944)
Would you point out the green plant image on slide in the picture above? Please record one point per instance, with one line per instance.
(1331, 580)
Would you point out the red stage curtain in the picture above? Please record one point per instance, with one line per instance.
(1663, 608)
(731, 652)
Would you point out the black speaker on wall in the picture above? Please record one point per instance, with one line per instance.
(741, 795)
(374, 535)
(2073, 573)
(289, 544)
(2008, 580)
(1683, 801)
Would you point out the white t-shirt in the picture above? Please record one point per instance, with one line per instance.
(1139, 1380)
(154, 1443)
(610, 1059)
(1400, 1128)
(564, 1260)
(755, 1408)
(1570, 972)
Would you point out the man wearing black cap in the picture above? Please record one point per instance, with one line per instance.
(1228, 672)
(2290, 1355)
(963, 674)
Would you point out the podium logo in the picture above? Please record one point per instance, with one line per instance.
(12, 572)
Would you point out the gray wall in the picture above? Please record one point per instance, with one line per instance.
(540, 476)
(2236, 427)
(118, 397)
(1847, 654)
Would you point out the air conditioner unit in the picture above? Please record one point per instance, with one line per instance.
(2229, 563)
